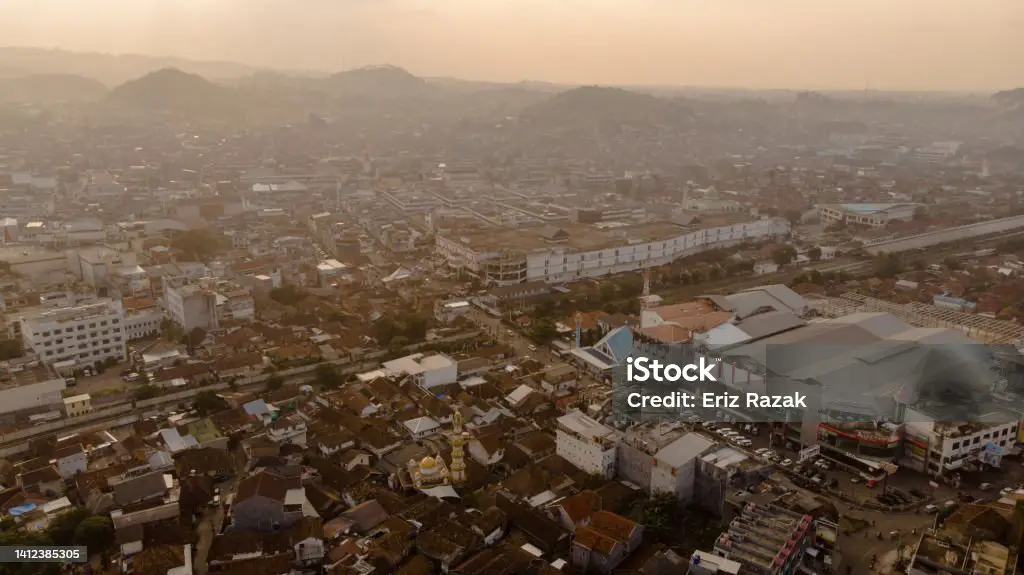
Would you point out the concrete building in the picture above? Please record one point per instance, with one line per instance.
(429, 371)
(234, 303)
(939, 448)
(191, 306)
(142, 318)
(514, 255)
(96, 265)
(71, 460)
(936, 554)
(870, 215)
(587, 444)
(82, 334)
(29, 388)
(675, 466)
(767, 539)
(448, 311)
(77, 405)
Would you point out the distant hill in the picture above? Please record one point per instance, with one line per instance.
(1010, 98)
(376, 80)
(111, 69)
(600, 105)
(49, 88)
(173, 90)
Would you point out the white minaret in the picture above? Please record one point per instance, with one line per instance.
(458, 471)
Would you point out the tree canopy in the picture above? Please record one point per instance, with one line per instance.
(197, 245)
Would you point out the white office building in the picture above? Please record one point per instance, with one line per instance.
(83, 334)
(554, 255)
(587, 444)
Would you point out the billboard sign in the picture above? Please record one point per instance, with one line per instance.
(808, 452)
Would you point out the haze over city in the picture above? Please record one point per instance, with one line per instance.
(841, 44)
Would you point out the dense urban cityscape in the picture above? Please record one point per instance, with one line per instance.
(370, 323)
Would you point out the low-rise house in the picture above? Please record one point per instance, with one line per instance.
(77, 405)
(605, 541)
(241, 365)
(131, 489)
(266, 501)
(205, 461)
(71, 460)
(288, 430)
(486, 450)
(46, 480)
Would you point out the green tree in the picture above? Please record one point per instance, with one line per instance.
(661, 516)
(543, 330)
(274, 382)
(608, 292)
(326, 376)
(784, 254)
(94, 533)
(193, 338)
(793, 217)
(197, 245)
(62, 528)
(207, 402)
(886, 266)
(288, 294)
(146, 392)
(814, 253)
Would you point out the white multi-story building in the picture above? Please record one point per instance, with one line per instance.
(191, 306)
(555, 255)
(587, 444)
(938, 448)
(83, 334)
(142, 318)
(235, 303)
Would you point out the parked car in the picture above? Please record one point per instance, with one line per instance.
(532, 348)
(931, 508)
(761, 450)
(855, 479)
(786, 462)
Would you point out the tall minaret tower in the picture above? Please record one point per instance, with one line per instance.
(458, 471)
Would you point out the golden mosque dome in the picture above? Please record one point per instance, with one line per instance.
(428, 462)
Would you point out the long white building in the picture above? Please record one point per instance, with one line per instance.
(84, 334)
(514, 255)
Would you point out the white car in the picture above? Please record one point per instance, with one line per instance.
(761, 450)
(744, 443)
(532, 348)
(786, 462)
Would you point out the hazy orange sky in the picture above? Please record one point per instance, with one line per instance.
(799, 44)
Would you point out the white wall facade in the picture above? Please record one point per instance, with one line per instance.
(142, 323)
(85, 334)
(597, 457)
